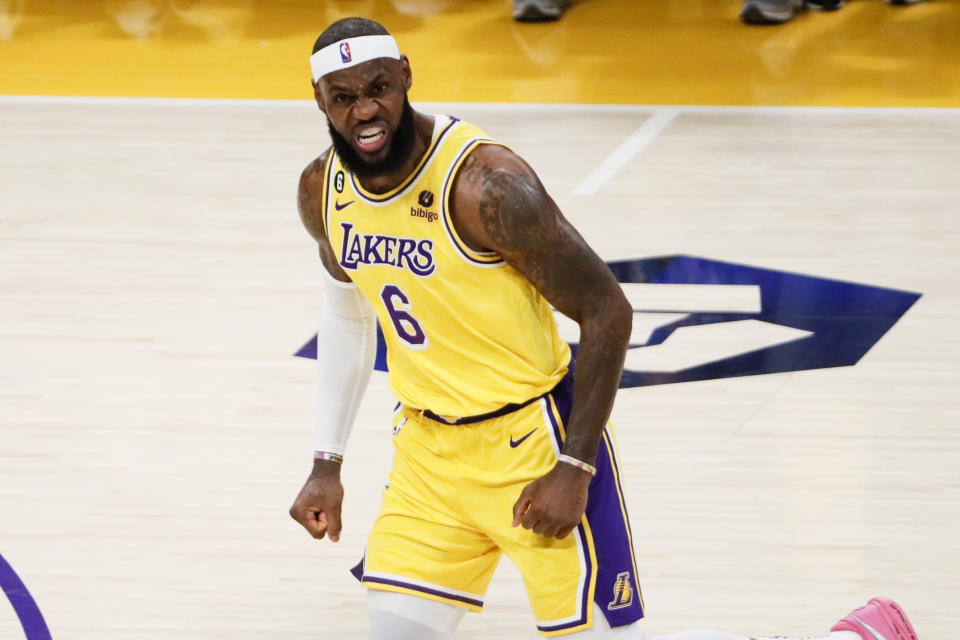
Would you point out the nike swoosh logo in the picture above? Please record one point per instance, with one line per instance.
(338, 206)
(516, 443)
(870, 629)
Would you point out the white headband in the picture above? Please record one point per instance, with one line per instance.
(350, 52)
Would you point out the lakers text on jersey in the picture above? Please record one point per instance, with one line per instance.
(466, 334)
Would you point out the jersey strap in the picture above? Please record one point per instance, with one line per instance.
(476, 258)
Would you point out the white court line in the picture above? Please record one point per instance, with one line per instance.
(523, 107)
(620, 156)
(640, 109)
(153, 101)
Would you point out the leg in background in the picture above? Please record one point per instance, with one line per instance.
(399, 616)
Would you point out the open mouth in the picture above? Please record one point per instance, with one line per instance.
(371, 138)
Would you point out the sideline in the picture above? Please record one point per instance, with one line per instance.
(525, 107)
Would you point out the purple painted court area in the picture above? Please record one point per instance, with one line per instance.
(26, 609)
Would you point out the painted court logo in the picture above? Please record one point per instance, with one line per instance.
(701, 319)
(24, 606)
(773, 321)
(622, 592)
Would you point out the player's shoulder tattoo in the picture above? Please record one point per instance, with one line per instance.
(312, 175)
(508, 200)
(474, 169)
(514, 210)
(310, 196)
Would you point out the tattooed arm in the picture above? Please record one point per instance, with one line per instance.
(346, 343)
(310, 203)
(499, 204)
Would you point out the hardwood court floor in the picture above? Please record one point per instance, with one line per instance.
(154, 427)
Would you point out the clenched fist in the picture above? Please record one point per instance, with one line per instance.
(317, 507)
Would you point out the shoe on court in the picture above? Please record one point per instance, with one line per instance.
(879, 619)
(539, 10)
(825, 5)
(769, 11)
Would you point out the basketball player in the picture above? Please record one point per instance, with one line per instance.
(450, 241)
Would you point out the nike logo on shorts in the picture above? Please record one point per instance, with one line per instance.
(338, 206)
(516, 443)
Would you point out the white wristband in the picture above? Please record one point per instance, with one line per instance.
(579, 464)
(326, 455)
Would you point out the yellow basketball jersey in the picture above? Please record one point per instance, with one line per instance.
(465, 332)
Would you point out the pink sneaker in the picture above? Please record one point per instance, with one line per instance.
(879, 619)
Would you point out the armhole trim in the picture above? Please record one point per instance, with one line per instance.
(476, 258)
(327, 172)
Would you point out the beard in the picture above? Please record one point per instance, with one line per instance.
(401, 143)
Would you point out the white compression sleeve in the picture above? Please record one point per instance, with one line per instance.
(401, 616)
(346, 348)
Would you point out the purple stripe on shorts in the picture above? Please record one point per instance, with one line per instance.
(584, 597)
(613, 541)
(611, 529)
(415, 587)
(582, 535)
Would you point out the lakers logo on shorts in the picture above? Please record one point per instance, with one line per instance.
(622, 592)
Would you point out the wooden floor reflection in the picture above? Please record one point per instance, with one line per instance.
(603, 51)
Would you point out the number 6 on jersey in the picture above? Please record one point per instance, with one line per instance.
(398, 307)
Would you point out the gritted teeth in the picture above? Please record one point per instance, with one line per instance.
(371, 139)
(371, 133)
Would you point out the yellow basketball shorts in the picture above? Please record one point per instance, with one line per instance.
(448, 508)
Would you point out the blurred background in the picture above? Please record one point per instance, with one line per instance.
(601, 51)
